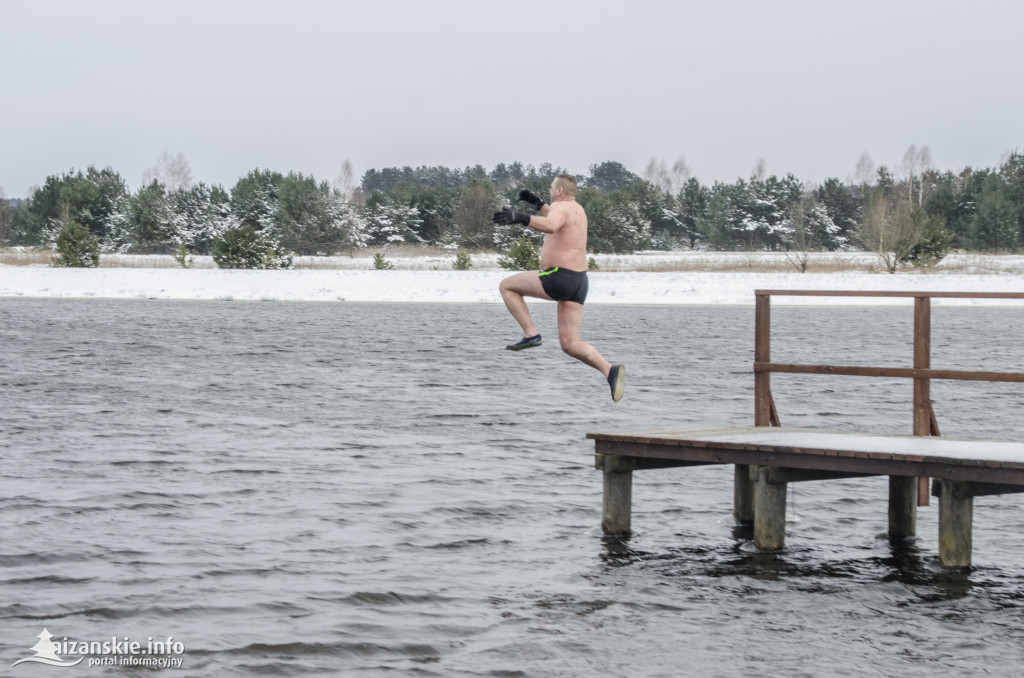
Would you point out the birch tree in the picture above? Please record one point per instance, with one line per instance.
(173, 171)
(891, 229)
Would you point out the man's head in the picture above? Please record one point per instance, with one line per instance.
(563, 187)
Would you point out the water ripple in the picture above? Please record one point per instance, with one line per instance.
(360, 489)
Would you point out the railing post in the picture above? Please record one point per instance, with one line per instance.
(762, 354)
(743, 486)
(922, 386)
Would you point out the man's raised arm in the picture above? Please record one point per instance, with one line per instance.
(528, 196)
(545, 224)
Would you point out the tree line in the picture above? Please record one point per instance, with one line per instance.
(912, 213)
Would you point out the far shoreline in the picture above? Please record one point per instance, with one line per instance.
(425, 258)
(642, 288)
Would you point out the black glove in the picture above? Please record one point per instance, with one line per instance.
(508, 216)
(526, 195)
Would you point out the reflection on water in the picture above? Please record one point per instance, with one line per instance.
(335, 489)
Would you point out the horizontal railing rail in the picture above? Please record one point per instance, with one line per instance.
(897, 372)
(868, 293)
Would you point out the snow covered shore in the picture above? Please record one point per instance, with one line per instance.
(407, 284)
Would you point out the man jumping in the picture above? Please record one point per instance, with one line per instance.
(563, 258)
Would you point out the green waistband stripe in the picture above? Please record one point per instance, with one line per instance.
(548, 272)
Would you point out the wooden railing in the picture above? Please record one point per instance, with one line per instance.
(925, 424)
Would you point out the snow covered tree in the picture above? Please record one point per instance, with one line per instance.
(90, 197)
(723, 222)
(608, 176)
(76, 247)
(118, 236)
(254, 199)
(692, 205)
(304, 216)
(615, 224)
(995, 227)
(767, 204)
(152, 227)
(198, 215)
(348, 220)
(842, 205)
(1012, 173)
(5, 220)
(507, 235)
(245, 247)
(657, 209)
(389, 223)
(807, 228)
(437, 206)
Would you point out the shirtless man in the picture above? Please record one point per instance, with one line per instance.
(563, 259)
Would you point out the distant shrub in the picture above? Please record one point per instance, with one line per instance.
(244, 247)
(522, 255)
(76, 248)
(182, 256)
(592, 264)
(380, 263)
(933, 247)
(463, 262)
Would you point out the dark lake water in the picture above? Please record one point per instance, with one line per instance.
(295, 489)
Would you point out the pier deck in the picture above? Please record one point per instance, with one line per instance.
(773, 457)
(768, 456)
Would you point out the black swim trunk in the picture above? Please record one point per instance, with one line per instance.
(561, 284)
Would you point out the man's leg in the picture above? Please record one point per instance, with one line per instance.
(513, 289)
(570, 317)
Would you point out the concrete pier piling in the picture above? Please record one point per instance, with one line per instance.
(769, 509)
(903, 497)
(616, 513)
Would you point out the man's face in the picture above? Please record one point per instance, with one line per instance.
(555, 191)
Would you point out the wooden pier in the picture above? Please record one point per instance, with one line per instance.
(767, 456)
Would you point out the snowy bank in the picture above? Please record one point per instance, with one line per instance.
(686, 287)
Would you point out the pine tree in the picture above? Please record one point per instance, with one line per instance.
(76, 248)
(152, 227)
(198, 215)
(995, 226)
(523, 255)
(244, 247)
(380, 263)
(693, 201)
(118, 237)
(390, 223)
(463, 262)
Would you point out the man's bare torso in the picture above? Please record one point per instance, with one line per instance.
(566, 247)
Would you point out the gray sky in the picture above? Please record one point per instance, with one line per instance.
(304, 85)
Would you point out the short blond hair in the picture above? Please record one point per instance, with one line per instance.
(567, 182)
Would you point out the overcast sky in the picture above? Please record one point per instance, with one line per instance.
(304, 85)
